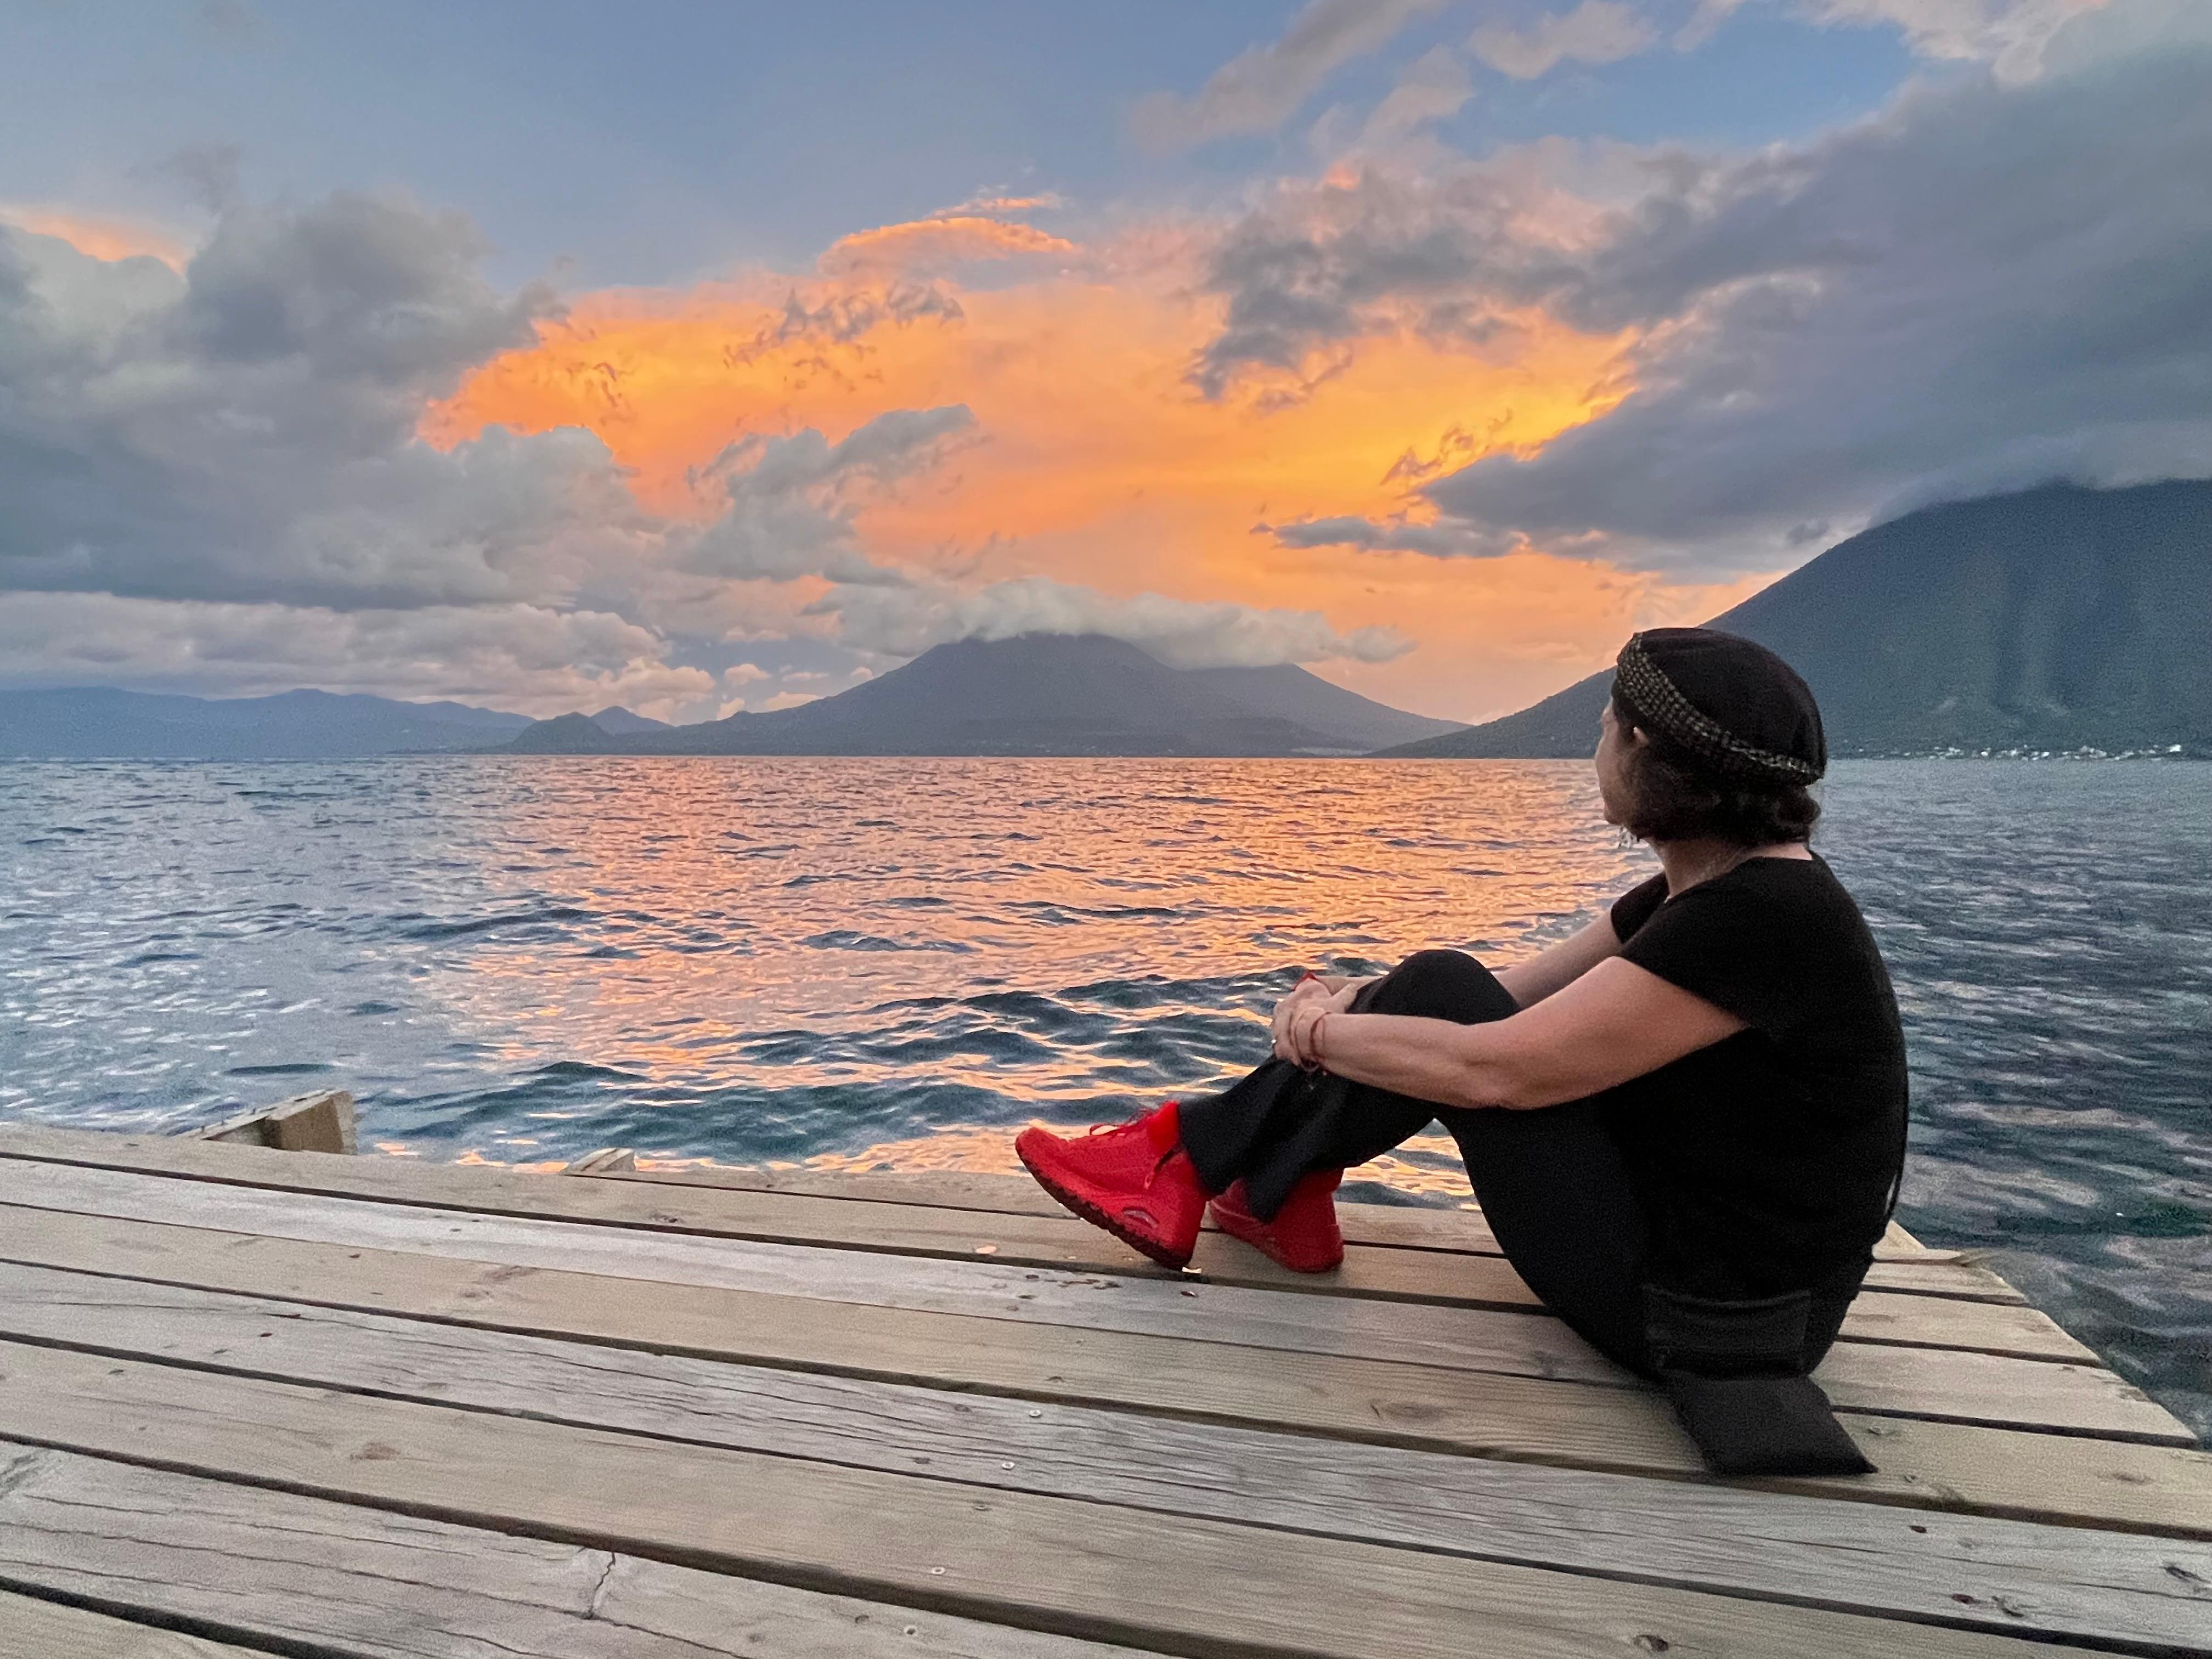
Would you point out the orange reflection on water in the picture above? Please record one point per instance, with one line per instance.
(867, 959)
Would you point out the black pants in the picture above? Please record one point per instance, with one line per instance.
(1553, 1183)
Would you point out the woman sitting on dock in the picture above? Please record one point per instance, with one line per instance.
(1684, 1124)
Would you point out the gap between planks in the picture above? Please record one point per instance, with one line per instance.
(2068, 1479)
(31, 1628)
(2008, 1576)
(1074, 1568)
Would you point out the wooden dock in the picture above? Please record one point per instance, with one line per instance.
(255, 1401)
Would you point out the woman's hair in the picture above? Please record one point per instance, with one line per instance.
(1674, 797)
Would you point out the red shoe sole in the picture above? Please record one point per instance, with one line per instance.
(1099, 1218)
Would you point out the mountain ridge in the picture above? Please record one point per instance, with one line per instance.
(2058, 618)
(92, 722)
(1034, 694)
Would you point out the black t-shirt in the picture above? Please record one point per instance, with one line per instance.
(1766, 1160)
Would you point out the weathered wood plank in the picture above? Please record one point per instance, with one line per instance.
(1466, 1282)
(31, 1629)
(1080, 1568)
(1485, 1278)
(2006, 1575)
(322, 1121)
(378, 1585)
(2073, 1481)
(1404, 1226)
(1951, 1385)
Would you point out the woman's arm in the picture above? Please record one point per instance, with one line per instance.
(1615, 1022)
(1558, 966)
(1529, 982)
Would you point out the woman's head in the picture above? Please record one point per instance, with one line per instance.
(1707, 736)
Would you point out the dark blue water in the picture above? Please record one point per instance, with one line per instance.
(870, 964)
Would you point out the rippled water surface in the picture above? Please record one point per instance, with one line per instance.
(890, 963)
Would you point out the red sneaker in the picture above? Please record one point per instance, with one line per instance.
(1134, 1180)
(1304, 1236)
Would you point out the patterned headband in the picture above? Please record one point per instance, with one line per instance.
(1643, 685)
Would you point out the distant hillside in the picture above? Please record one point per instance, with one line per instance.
(564, 734)
(1035, 694)
(2056, 619)
(618, 718)
(89, 723)
(1289, 692)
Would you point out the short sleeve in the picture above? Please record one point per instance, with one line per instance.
(1636, 906)
(1738, 948)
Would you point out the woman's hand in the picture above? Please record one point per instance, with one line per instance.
(1296, 1014)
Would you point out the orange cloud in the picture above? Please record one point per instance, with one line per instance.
(1096, 461)
(100, 238)
(936, 245)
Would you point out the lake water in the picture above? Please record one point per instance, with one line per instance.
(893, 964)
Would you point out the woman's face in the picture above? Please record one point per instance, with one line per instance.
(1615, 743)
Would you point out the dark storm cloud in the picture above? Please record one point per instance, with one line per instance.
(246, 430)
(1987, 286)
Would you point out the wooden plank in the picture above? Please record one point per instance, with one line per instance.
(1078, 1569)
(1942, 1275)
(1058, 1240)
(1054, 1240)
(607, 1161)
(1456, 1281)
(376, 1585)
(2009, 1574)
(1459, 1227)
(47, 1630)
(320, 1122)
(1955, 1386)
(2073, 1481)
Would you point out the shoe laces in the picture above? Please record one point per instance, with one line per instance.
(1102, 1131)
(1114, 1131)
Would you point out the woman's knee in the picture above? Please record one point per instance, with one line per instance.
(1441, 984)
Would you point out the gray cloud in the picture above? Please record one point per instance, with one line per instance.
(1259, 89)
(1440, 253)
(1594, 32)
(2009, 35)
(1988, 285)
(1445, 540)
(214, 483)
(523, 657)
(791, 500)
(246, 430)
(907, 621)
(1434, 87)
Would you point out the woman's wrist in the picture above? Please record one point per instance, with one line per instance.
(1305, 1035)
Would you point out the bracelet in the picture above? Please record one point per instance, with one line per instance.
(1314, 1044)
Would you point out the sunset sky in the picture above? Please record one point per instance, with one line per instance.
(708, 357)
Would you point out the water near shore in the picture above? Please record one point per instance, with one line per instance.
(890, 963)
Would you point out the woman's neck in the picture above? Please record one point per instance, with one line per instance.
(1689, 862)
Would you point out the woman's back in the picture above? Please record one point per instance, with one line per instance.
(1767, 1161)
